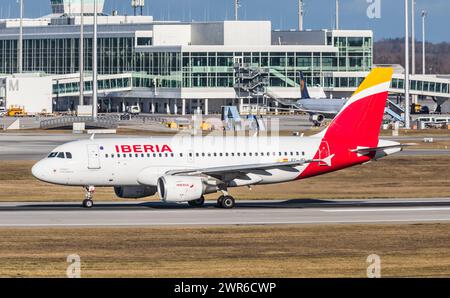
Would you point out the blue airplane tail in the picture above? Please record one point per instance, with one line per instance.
(303, 88)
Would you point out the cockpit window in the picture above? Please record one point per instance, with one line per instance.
(52, 155)
(68, 155)
(60, 155)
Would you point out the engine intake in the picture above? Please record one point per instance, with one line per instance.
(183, 188)
(317, 119)
(134, 192)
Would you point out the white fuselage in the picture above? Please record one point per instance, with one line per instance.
(122, 161)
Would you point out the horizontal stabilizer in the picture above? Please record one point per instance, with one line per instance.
(365, 151)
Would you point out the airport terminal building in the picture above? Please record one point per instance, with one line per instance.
(179, 68)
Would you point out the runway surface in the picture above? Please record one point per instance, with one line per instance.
(247, 213)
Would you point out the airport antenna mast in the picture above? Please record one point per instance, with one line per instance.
(237, 4)
(300, 15)
(20, 45)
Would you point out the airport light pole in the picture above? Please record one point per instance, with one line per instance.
(94, 66)
(406, 82)
(81, 56)
(300, 15)
(20, 44)
(424, 15)
(236, 9)
(337, 15)
(413, 36)
(413, 43)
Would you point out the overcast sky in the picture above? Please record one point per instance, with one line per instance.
(319, 14)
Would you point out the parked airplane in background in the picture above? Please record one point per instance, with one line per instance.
(319, 109)
(184, 169)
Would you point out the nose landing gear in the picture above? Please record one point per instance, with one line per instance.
(88, 202)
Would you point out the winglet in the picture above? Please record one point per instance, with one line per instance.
(92, 137)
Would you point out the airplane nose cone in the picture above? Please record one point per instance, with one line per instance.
(38, 171)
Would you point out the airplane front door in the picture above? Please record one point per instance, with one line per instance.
(93, 157)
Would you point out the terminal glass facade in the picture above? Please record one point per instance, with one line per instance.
(190, 69)
(355, 53)
(215, 69)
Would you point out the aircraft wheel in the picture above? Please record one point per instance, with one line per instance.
(197, 203)
(219, 201)
(88, 203)
(228, 202)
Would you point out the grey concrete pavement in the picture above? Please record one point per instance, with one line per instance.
(246, 213)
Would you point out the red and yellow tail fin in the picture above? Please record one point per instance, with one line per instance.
(357, 125)
(359, 121)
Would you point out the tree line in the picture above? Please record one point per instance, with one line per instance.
(391, 51)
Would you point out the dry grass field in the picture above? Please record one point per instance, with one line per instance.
(393, 177)
(421, 250)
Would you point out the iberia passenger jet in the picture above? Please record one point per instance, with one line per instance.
(184, 168)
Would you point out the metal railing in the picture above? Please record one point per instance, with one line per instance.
(64, 121)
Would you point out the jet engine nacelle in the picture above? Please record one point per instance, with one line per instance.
(317, 119)
(134, 192)
(179, 189)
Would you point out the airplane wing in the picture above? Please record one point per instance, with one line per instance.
(213, 171)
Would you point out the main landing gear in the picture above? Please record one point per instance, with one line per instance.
(88, 202)
(226, 201)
